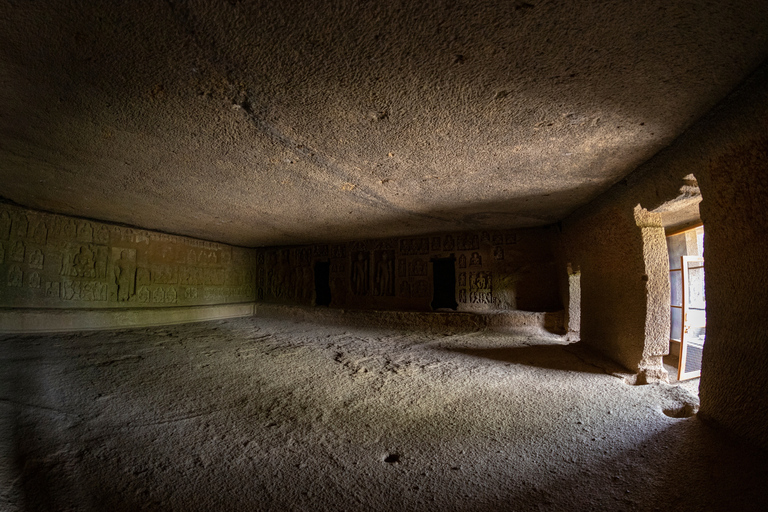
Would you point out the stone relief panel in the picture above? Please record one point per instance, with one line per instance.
(414, 246)
(480, 288)
(49, 260)
(5, 225)
(17, 251)
(405, 289)
(360, 275)
(421, 289)
(19, 225)
(402, 267)
(384, 272)
(418, 268)
(467, 242)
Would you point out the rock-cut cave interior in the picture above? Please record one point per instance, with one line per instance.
(358, 255)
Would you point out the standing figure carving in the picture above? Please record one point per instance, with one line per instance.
(360, 274)
(384, 279)
(125, 277)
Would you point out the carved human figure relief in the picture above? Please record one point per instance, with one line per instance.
(20, 225)
(5, 225)
(463, 279)
(405, 289)
(125, 276)
(101, 234)
(462, 295)
(170, 294)
(475, 260)
(36, 259)
(498, 252)
(462, 261)
(52, 289)
(158, 295)
(360, 272)
(17, 252)
(40, 233)
(384, 274)
(402, 267)
(143, 295)
(15, 276)
(448, 244)
(418, 268)
(83, 263)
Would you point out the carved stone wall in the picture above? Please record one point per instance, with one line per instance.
(495, 270)
(55, 261)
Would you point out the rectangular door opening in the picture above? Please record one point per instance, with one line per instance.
(444, 279)
(323, 283)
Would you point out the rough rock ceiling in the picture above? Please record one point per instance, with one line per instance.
(260, 123)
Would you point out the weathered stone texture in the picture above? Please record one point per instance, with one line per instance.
(55, 261)
(623, 273)
(494, 270)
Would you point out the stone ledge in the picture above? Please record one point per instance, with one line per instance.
(546, 323)
(28, 320)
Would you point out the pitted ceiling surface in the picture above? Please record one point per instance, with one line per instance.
(264, 123)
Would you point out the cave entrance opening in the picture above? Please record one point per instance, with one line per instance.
(444, 280)
(688, 305)
(323, 283)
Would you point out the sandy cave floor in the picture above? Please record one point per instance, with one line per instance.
(261, 414)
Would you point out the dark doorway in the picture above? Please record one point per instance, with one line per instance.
(322, 283)
(444, 277)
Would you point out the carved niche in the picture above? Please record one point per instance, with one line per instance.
(384, 273)
(360, 272)
(20, 226)
(15, 276)
(36, 259)
(418, 268)
(5, 225)
(40, 233)
(124, 273)
(480, 288)
(17, 252)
